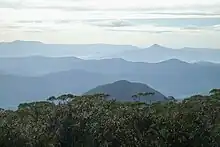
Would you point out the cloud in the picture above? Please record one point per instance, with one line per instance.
(65, 21)
(216, 27)
(29, 21)
(184, 13)
(33, 31)
(11, 27)
(158, 29)
(114, 5)
(141, 31)
(153, 26)
(65, 5)
(110, 23)
(11, 4)
(28, 26)
(202, 28)
(177, 22)
(64, 8)
(192, 28)
(145, 28)
(62, 21)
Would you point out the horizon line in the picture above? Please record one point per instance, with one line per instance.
(101, 43)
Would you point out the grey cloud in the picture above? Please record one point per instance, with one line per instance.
(184, 13)
(43, 21)
(63, 8)
(143, 31)
(27, 28)
(33, 31)
(67, 21)
(142, 9)
(192, 28)
(136, 9)
(207, 10)
(179, 22)
(110, 23)
(14, 5)
(38, 29)
(193, 7)
(215, 27)
(11, 27)
(199, 28)
(30, 21)
(42, 28)
(21, 5)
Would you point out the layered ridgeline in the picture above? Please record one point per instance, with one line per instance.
(35, 78)
(128, 91)
(154, 53)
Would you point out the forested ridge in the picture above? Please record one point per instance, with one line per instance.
(94, 121)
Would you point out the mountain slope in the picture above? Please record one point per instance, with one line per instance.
(124, 90)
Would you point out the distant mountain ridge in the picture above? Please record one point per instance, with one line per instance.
(36, 77)
(55, 76)
(158, 53)
(124, 90)
(34, 48)
(40, 66)
(154, 53)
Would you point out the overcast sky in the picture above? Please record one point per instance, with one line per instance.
(173, 23)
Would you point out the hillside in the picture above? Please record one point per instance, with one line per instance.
(124, 90)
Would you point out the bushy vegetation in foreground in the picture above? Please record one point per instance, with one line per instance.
(92, 121)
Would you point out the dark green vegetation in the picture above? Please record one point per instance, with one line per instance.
(93, 121)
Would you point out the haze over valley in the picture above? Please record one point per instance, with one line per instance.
(34, 71)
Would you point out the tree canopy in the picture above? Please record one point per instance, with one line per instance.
(94, 121)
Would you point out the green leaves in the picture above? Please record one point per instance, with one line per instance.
(93, 121)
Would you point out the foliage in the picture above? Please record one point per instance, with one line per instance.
(94, 121)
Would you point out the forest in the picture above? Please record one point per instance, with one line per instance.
(94, 121)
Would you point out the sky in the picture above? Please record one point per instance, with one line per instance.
(172, 23)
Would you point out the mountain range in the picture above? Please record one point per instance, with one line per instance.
(39, 66)
(154, 53)
(31, 71)
(158, 53)
(21, 48)
(36, 78)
